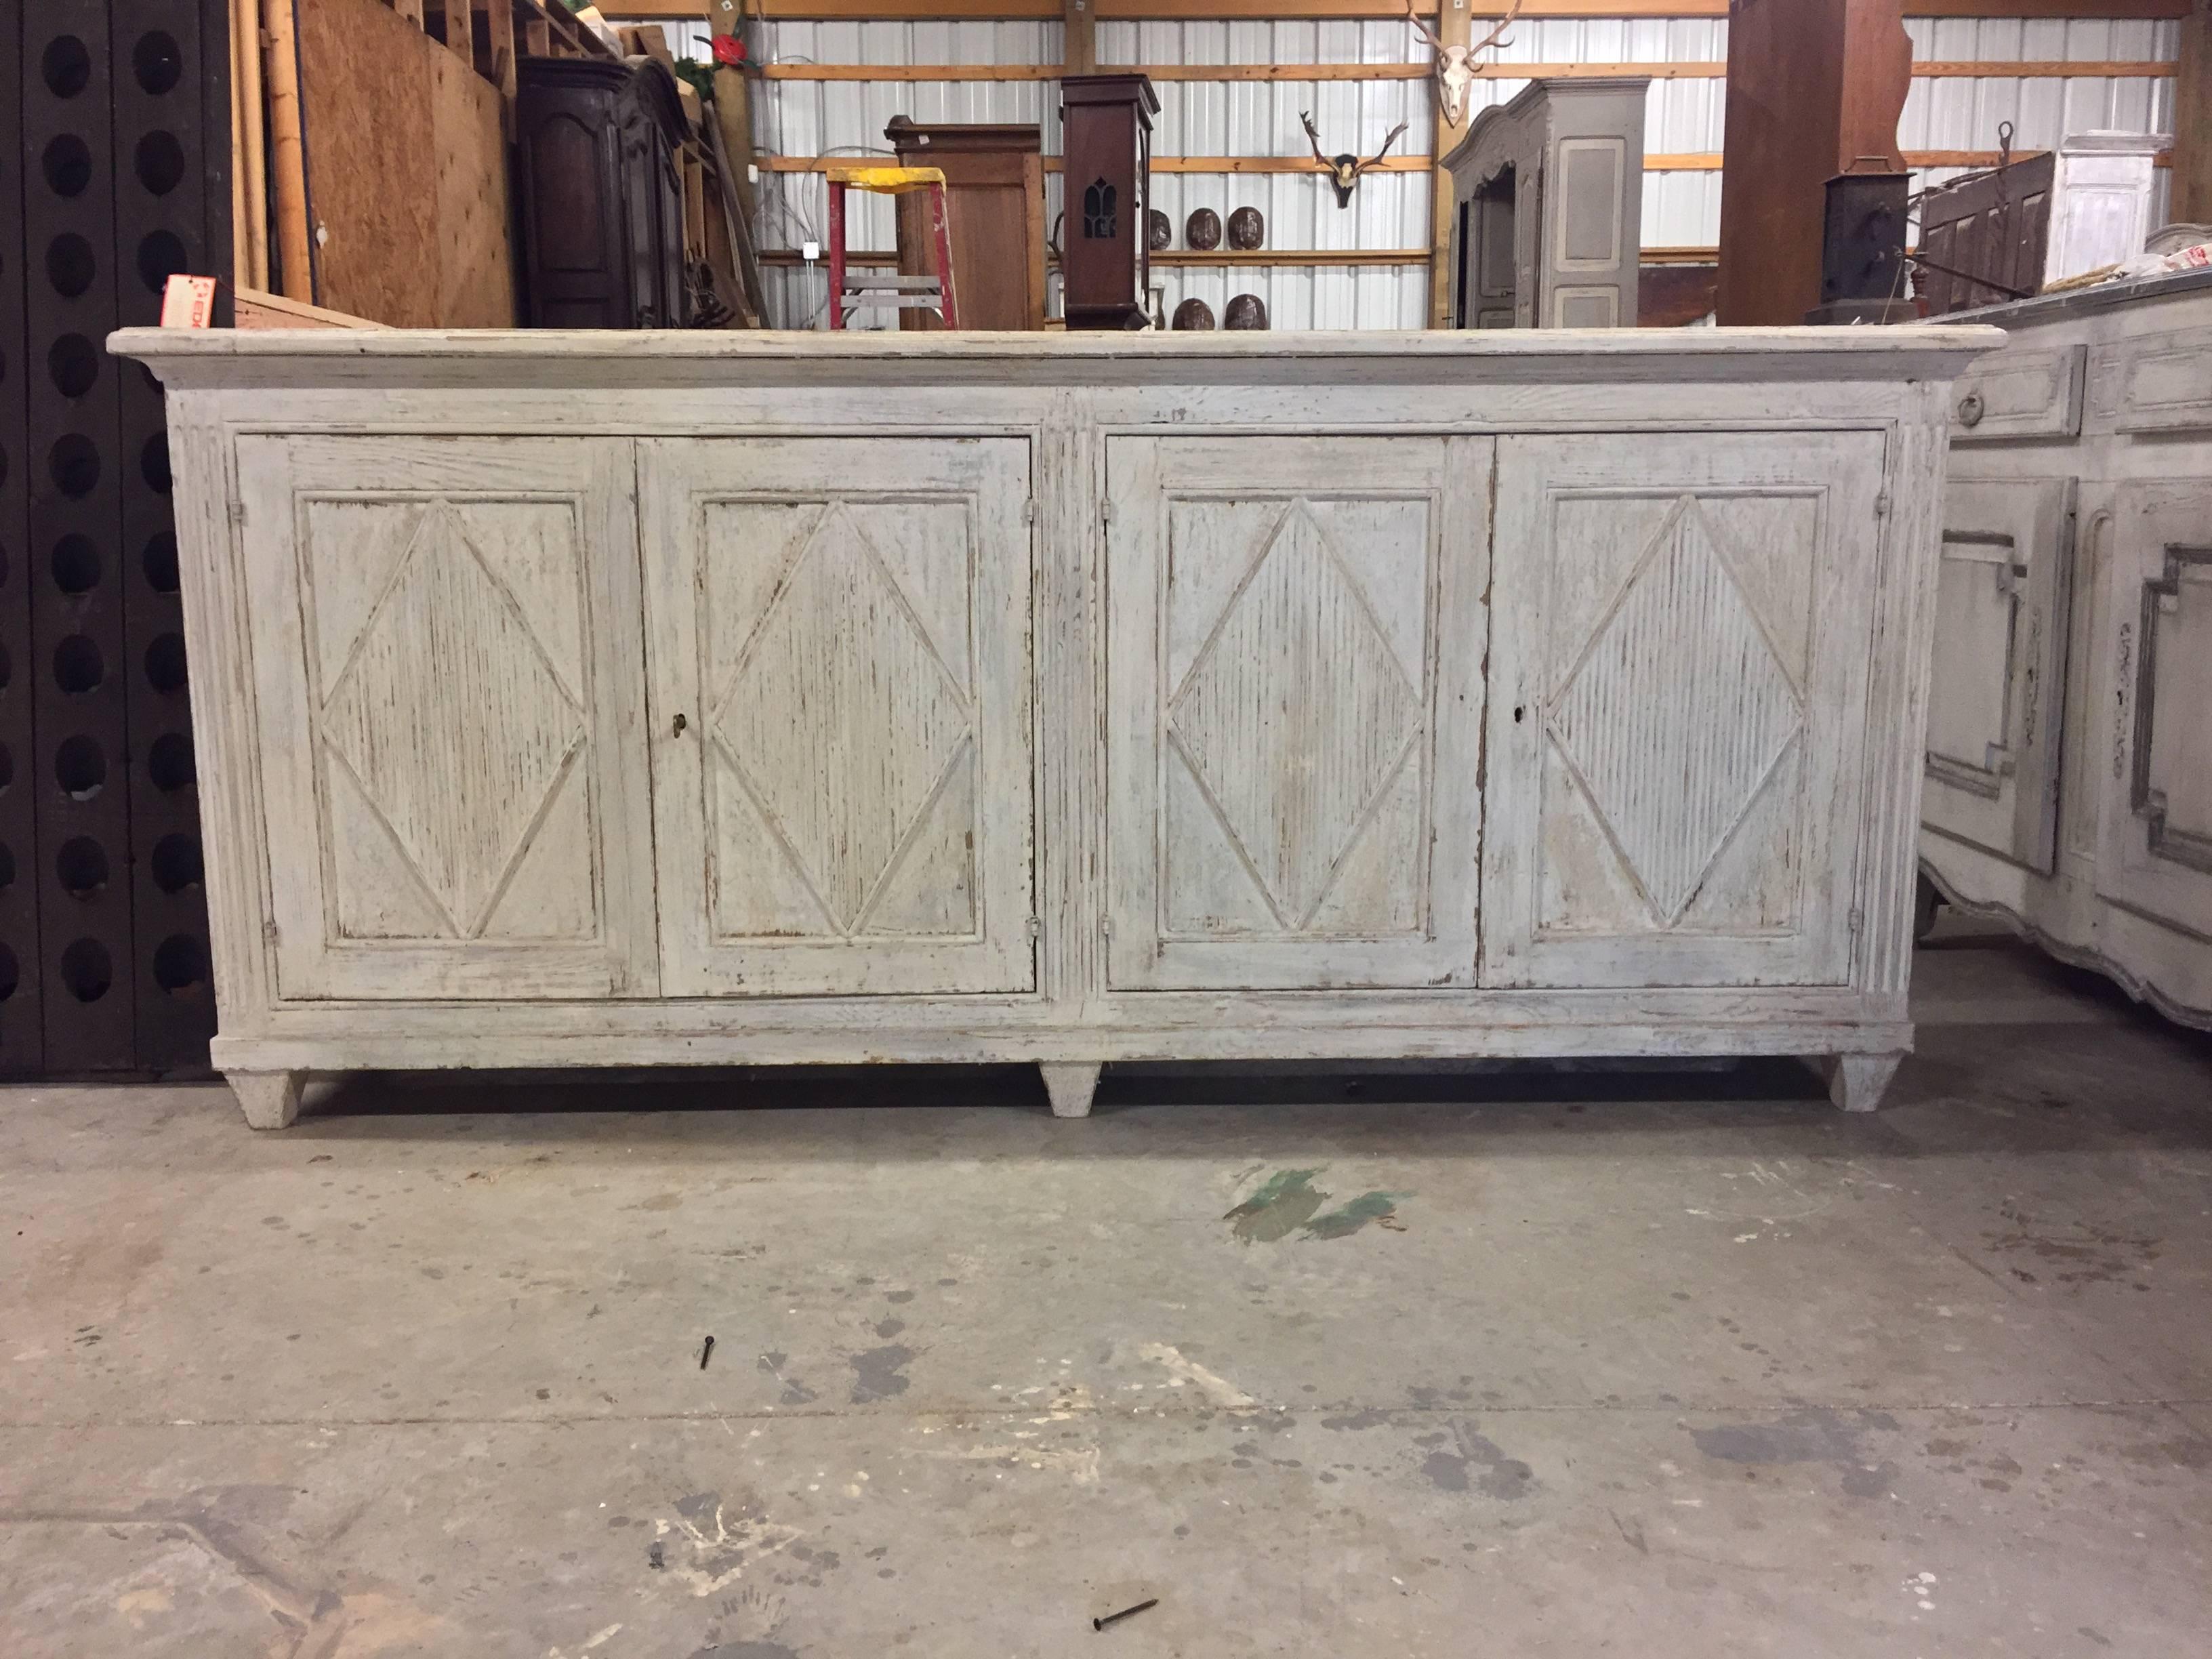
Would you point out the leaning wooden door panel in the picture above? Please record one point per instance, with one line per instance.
(2154, 853)
(838, 651)
(1994, 717)
(446, 669)
(1678, 707)
(1296, 631)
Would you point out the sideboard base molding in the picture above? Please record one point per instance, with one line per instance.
(1857, 1056)
(1856, 1082)
(429, 1046)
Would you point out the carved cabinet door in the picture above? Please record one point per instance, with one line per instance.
(1295, 629)
(1994, 708)
(445, 673)
(1678, 706)
(2153, 764)
(838, 647)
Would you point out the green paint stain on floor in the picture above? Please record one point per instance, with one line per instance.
(1285, 1202)
(1288, 1203)
(1379, 1207)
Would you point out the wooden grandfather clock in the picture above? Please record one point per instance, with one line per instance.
(1105, 258)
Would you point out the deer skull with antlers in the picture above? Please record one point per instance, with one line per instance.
(1344, 171)
(1456, 67)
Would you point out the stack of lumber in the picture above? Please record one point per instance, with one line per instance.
(373, 175)
(372, 144)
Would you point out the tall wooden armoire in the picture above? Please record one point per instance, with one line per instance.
(602, 203)
(1105, 258)
(994, 204)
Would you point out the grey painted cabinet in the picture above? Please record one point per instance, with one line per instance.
(972, 696)
(1547, 214)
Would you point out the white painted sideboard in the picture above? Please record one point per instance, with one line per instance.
(2069, 757)
(610, 699)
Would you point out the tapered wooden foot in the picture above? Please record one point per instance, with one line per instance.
(1858, 1082)
(1070, 1088)
(271, 1099)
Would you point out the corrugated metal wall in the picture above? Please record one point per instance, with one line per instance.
(1681, 206)
(1390, 210)
(1253, 117)
(1949, 113)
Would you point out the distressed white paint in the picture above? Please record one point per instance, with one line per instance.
(2102, 192)
(1678, 707)
(2004, 585)
(838, 643)
(2085, 678)
(1069, 699)
(1291, 802)
(450, 710)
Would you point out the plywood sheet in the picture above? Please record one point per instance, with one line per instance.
(406, 173)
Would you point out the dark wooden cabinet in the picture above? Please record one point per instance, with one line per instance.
(994, 208)
(1105, 258)
(1983, 237)
(602, 204)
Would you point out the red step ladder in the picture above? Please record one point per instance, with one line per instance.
(902, 293)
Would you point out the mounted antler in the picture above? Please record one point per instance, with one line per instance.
(1344, 171)
(1456, 67)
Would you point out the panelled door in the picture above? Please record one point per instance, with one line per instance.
(445, 673)
(1681, 642)
(838, 648)
(2154, 845)
(1295, 629)
(1994, 713)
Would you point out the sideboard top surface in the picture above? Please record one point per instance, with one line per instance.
(197, 359)
(2086, 302)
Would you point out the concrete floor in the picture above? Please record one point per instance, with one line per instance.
(1527, 1364)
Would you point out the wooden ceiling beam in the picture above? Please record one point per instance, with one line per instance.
(659, 11)
(1708, 160)
(1078, 36)
(1990, 69)
(1160, 164)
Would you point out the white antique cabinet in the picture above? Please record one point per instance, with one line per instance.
(574, 699)
(2069, 746)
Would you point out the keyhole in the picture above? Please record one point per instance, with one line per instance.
(1517, 713)
(680, 724)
